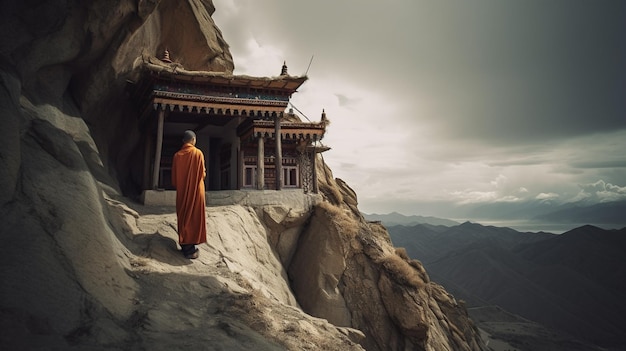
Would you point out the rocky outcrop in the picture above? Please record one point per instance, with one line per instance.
(347, 271)
(80, 57)
(84, 267)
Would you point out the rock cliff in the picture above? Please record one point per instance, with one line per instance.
(85, 267)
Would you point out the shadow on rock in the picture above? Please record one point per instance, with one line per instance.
(160, 248)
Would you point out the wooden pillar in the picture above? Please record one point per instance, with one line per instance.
(158, 148)
(145, 181)
(278, 161)
(260, 163)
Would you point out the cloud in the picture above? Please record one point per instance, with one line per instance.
(600, 191)
(547, 196)
(495, 190)
(257, 59)
(469, 196)
(499, 181)
(616, 161)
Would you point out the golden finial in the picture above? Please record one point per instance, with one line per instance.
(283, 72)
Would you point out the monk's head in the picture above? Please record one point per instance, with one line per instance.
(189, 137)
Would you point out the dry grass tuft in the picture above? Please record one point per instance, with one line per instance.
(402, 271)
(327, 184)
(341, 218)
(401, 251)
(332, 192)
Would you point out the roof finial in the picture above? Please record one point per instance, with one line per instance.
(166, 57)
(283, 72)
(324, 119)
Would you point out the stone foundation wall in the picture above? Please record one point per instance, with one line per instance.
(296, 199)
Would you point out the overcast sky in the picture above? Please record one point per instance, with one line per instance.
(439, 103)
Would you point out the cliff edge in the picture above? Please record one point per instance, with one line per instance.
(85, 267)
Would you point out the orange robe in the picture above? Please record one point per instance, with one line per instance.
(188, 173)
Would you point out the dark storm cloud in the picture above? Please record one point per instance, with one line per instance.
(500, 71)
(534, 71)
(617, 163)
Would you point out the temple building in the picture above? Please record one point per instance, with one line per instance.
(248, 139)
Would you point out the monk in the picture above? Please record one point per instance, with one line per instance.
(188, 173)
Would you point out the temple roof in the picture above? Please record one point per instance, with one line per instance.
(176, 72)
(205, 97)
(289, 130)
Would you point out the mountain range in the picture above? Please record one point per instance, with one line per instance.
(608, 215)
(572, 282)
(395, 218)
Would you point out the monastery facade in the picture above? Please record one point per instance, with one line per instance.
(249, 141)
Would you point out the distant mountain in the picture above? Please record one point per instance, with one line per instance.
(607, 214)
(524, 210)
(396, 218)
(430, 243)
(573, 282)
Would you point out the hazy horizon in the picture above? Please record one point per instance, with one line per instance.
(520, 225)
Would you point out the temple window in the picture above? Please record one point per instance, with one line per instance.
(290, 176)
(249, 176)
